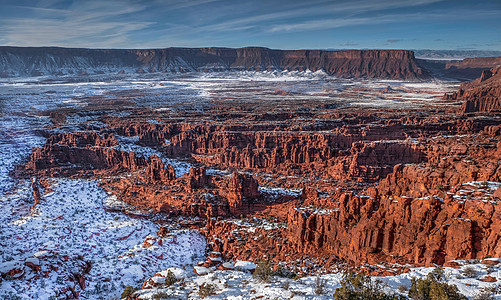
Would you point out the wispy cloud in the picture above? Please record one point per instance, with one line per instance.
(89, 23)
(277, 23)
(309, 9)
(330, 23)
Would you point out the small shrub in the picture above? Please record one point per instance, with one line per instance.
(437, 274)
(473, 261)
(283, 272)
(128, 291)
(360, 287)
(488, 292)
(431, 288)
(403, 288)
(469, 272)
(207, 289)
(320, 286)
(263, 271)
(170, 279)
(160, 295)
(484, 296)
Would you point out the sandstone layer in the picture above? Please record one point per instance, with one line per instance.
(482, 94)
(314, 188)
(389, 64)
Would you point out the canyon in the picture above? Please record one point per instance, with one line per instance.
(311, 160)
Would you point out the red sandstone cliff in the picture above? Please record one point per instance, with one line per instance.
(482, 94)
(391, 64)
(67, 153)
(241, 188)
(476, 63)
(378, 187)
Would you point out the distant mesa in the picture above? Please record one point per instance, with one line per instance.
(477, 63)
(37, 61)
(480, 95)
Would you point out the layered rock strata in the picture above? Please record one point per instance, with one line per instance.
(482, 94)
(394, 64)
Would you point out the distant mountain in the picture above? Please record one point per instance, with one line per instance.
(454, 54)
(464, 70)
(35, 61)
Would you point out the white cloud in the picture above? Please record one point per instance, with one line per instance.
(162, 23)
(84, 24)
(330, 23)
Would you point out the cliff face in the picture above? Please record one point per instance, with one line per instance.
(475, 63)
(482, 94)
(67, 154)
(391, 64)
(420, 189)
(423, 231)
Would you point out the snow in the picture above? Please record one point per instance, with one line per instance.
(72, 225)
(16, 141)
(178, 272)
(201, 270)
(240, 284)
(274, 191)
(245, 265)
(72, 221)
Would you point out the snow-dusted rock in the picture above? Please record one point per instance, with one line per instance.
(242, 265)
(200, 271)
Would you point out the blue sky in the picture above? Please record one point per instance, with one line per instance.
(281, 24)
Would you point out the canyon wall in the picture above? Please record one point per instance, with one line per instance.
(475, 63)
(390, 64)
(482, 94)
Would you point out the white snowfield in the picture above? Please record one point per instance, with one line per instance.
(240, 284)
(69, 228)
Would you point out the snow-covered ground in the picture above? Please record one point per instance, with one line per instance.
(71, 221)
(232, 284)
(70, 227)
(194, 91)
(17, 137)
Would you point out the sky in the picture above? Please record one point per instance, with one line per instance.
(278, 24)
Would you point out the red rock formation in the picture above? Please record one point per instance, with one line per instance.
(157, 173)
(482, 94)
(36, 191)
(68, 153)
(241, 188)
(420, 231)
(476, 63)
(198, 178)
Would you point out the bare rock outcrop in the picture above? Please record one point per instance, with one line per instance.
(157, 173)
(241, 188)
(482, 94)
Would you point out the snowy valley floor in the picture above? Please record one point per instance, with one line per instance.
(70, 227)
